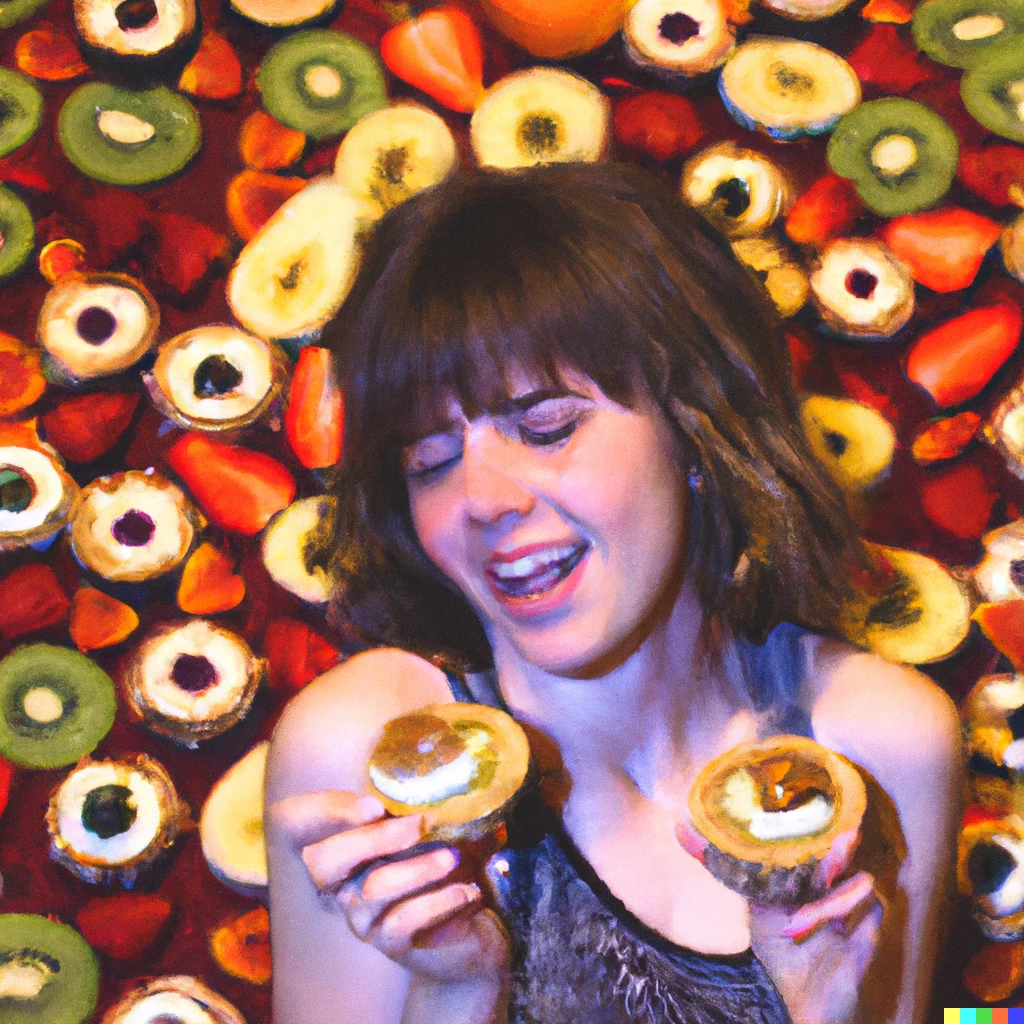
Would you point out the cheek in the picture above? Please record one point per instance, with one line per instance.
(434, 519)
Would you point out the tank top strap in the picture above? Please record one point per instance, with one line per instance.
(775, 672)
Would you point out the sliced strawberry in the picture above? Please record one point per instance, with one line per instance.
(31, 598)
(297, 654)
(209, 583)
(48, 54)
(827, 210)
(6, 777)
(21, 378)
(1003, 624)
(946, 438)
(315, 415)
(993, 172)
(215, 72)
(267, 145)
(890, 61)
(125, 925)
(254, 197)
(960, 500)
(661, 124)
(85, 427)
(99, 620)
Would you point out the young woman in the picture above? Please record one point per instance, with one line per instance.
(573, 465)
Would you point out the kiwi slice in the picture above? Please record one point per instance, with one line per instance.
(55, 706)
(128, 137)
(21, 110)
(17, 233)
(321, 82)
(900, 154)
(993, 92)
(962, 33)
(13, 11)
(48, 972)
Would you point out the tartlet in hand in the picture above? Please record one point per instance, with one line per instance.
(462, 764)
(771, 812)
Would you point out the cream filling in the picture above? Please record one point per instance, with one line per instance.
(126, 845)
(829, 284)
(58, 331)
(99, 26)
(247, 354)
(96, 545)
(451, 779)
(46, 481)
(173, 1005)
(701, 52)
(197, 637)
(741, 801)
(1009, 897)
(708, 174)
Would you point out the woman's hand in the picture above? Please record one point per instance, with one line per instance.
(395, 898)
(817, 954)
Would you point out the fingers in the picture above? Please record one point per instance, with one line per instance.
(690, 840)
(846, 903)
(395, 932)
(838, 858)
(332, 861)
(311, 817)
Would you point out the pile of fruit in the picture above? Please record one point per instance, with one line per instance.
(184, 190)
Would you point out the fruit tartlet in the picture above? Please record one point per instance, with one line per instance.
(179, 998)
(999, 576)
(37, 497)
(771, 812)
(993, 717)
(133, 526)
(1005, 429)
(111, 821)
(990, 869)
(465, 764)
(192, 681)
(681, 37)
(215, 378)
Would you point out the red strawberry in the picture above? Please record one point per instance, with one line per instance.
(124, 925)
(30, 598)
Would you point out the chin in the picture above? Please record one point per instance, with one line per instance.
(571, 653)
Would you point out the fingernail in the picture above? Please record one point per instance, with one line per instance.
(369, 807)
(798, 929)
(472, 891)
(447, 858)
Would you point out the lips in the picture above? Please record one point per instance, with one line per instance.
(534, 573)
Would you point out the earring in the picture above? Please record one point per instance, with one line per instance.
(696, 480)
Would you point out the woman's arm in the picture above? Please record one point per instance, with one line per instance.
(323, 973)
(905, 731)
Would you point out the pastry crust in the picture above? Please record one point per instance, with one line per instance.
(176, 997)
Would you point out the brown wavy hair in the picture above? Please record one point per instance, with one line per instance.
(600, 268)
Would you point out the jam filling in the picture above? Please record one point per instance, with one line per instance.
(861, 283)
(538, 134)
(988, 866)
(786, 784)
(193, 672)
(95, 325)
(732, 197)
(415, 745)
(677, 28)
(134, 529)
(135, 14)
(215, 376)
(15, 491)
(108, 810)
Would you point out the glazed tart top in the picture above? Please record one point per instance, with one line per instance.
(994, 714)
(133, 526)
(97, 324)
(689, 36)
(36, 495)
(217, 376)
(161, 24)
(178, 998)
(192, 673)
(990, 865)
(111, 813)
(1000, 574)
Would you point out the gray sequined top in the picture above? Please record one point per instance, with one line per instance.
(579, 955)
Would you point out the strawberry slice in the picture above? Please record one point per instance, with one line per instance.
(960, 500)
(315, 415)
(1003, 624)
(31, 598)
(47, 54)
(21, 377)
(946, 438)
(253, 197)
(660, 124)
(954, 361)
(209, 583)
(827, 210)
(85, 427)
(125, 925)
(267, 145)
(215, 72)
(6, 777)
(890, 61)
(99, 620)
(440, 53)
(297, 654)
(994, 172)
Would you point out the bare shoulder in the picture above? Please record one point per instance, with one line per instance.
(326, 733)
(888, 717)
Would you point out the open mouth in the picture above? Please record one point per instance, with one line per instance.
(535, 574)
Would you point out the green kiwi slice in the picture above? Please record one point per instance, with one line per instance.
(21, 110)
(13, 11)
(17, 233)
(321, 82)
(49, 974)
(55, 706)
(128, 137)
(993, 92)
(900, 154)
(962, 33)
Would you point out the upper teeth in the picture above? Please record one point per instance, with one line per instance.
(529, 564)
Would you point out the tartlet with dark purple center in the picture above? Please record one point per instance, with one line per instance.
(192, 681)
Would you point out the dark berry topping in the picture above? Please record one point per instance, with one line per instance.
(835, 442)
(988, 866)
(193, 672)
(95, 325)
(678, 27)
(732, 197)
(135, 14)
(393, 164)
(1017, 572)
(15, 491)
(1015, 720)
(215, 376)
(978, 764)
(109, 810)
(538, 134)
(861, 283)
(134, 529)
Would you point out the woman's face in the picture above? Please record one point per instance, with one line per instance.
(560, 515)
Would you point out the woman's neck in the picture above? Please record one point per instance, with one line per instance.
(646, 718)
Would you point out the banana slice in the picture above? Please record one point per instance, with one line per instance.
(540, 115)
(295, 272)
(778, 269)
(394, 153)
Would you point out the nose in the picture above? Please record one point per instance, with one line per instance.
(495, 484)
